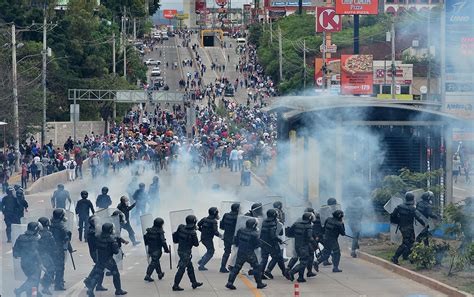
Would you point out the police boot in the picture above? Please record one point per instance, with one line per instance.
(291, 263)
(290, 275)
(336, 258)
(177, 279)
(301, 276)
(225, 258)
(149, 271)
(397, 255)
(80, 234)
(231, 280)
(118, 286)
(258, 280)
(160, 273)
(192, 277)
(353, 254)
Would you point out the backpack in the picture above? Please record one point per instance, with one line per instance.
(394, 218)
(175, 235)
(71, 165)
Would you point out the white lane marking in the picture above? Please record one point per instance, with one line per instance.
(460, 189)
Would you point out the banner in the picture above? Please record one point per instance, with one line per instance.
(333, 76)
(357, 74)
(169, 13)
(357, 6)
(383, 73)
(200, 6)
(459, 57)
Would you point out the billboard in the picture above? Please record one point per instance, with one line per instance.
(383, 73)
(221, 2)
(357, 6)
(333, 76)
(169, 13)
(357, 74)
(327, 20)
(200, 6)
(459, 58)
(279, 3)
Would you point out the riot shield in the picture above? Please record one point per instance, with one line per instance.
(105, 216)
(395, 236)
(326, 211)
(225, 206)
(178, 217)
(419, 227)
(293, 214)
(241, 221)
(17, 230)
(70, 223)
(146, 221)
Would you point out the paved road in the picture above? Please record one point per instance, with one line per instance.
(190, 190)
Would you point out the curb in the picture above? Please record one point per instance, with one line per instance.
(417, 277)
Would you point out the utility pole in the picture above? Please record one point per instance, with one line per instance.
(304, 63)
(45, 53)
(300, 7)
(271, 31)
(394, 69)
(356, 34)
(324, 61)
(16, 123)
(124, 43)
(428, 79)
(134, 29)
(280, 49)
(114, 115)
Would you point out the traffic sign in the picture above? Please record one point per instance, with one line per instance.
(182, 16)
(327, 20)
(329, 48)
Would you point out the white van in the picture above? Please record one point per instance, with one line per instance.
(241, 41)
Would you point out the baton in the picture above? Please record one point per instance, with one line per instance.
(171, 261)
(265, 243)
(72, 260)
(348, 236)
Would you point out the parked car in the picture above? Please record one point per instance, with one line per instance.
(152, 62)
(156, 71)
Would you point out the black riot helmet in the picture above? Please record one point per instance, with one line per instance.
(256, 209)
(10, 190)
(16, 187)
(213, 212)
(235, 207)
(272, 213)
(278, 205)
(105, 190)
(158, 223)
(141, 186)
(307, 217)
(427, 196)
(59, 214)
(309, 209)
(33, 227)
(156, 179)
(409, 198)
(332, 201)
(120, 215)
(84, 194)
(107, 229)
(60, 187)
(338, 214)
(44, 222)
(251, 224)
(191, 220)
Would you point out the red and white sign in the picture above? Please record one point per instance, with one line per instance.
(357, 6)
(357, 74)
(200, 6)
(169, 13)
(221, 2)
(327, 20)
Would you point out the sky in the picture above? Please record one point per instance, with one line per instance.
(178, 4)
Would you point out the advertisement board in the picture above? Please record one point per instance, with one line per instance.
(279, 3)
(327, 20)
(357, 74)
(200, 6)
(383, 74)
(333, 75)
(221, 2)
(357, 6)
(169, 13)
(459, 58)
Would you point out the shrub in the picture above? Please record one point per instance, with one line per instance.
(424, 257)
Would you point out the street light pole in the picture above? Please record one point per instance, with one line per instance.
(45, 52)
(16, 124)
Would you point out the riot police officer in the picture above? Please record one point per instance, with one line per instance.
(404, 216)
(83, 208)
(60, 196)
(302, 231)
(141, 199)
(186, 238)
(156, 242)
(22, 204)
(354, 214)
(26, 248)
(208, 228)
(45, 249)
(154, 190)
(9, 210)
(333, 227)
(125, 208)
(91, 238)
(107, 246)
(255, 211)
(271, 243)
(425, 207)
(62, 238)
(103, 200)
(278, 206)
(247, 240)
(228, 223)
